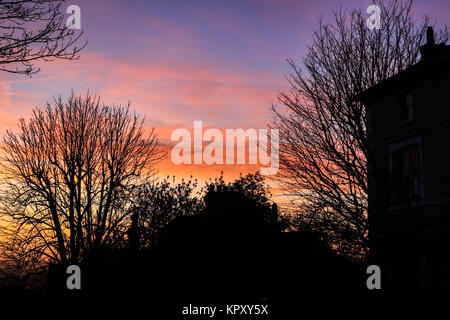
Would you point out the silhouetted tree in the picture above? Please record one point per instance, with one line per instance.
(225, 241)
(34, 30)
(235, 247)
(157, 203)
(323, 161)
(240, 208)
(70, 173)
(247, 199)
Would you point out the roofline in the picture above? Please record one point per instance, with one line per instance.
(422, 66)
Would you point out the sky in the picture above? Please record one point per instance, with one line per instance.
(221, 62)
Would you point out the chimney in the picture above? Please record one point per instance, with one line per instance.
(430, 36)
(430, 49)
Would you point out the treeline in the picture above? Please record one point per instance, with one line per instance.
(79, 189)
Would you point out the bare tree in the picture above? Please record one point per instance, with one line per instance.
(70, 174)
(323, 159)
(32, 31)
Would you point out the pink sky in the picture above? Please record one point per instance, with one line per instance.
(222, 62)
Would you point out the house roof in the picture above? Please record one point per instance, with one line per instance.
(432, 56)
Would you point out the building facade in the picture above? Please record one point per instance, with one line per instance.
(408, 127)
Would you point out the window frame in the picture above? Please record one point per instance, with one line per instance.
(397, 146)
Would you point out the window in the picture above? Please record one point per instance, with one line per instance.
(406, 170)
(406, 108)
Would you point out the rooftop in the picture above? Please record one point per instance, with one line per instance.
(432, 55)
